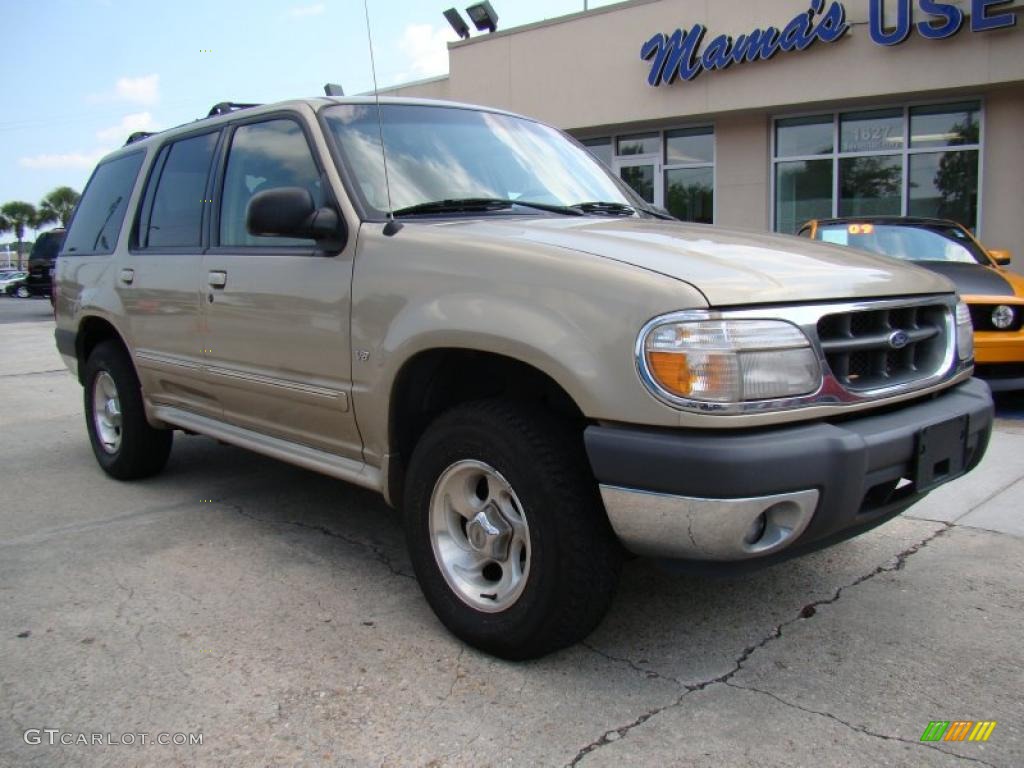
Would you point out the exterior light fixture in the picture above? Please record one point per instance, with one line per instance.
(483, 16)
(458, 23)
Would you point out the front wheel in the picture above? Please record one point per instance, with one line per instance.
(22, 292)
(506, 531)
(124, 443)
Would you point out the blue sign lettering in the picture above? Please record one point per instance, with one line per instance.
(982, 22)
(946, 20)
(678, 55)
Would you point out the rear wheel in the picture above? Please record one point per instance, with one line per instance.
(22, 292)
(124, 443)
(506, 530)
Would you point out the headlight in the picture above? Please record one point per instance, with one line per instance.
(727, 361)
(964, 332)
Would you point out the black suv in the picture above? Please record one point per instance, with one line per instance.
(41, 261)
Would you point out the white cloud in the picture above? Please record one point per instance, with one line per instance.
(137, 121)
(143, 90)
(300, 11)
(139, 90)
(76, 160)
(109, 138)
(426, 48)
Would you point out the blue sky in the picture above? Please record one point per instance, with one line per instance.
(78, 76)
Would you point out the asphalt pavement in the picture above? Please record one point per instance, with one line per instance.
(270, 612)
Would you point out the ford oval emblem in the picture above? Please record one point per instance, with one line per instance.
(899, 339)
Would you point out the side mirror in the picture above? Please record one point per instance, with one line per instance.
(1000, 257)
(290, 212)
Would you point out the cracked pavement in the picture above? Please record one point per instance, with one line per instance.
(272, 610)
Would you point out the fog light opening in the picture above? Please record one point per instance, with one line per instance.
(776, 527)
(756, 531)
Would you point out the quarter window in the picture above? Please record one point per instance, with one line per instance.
(265, 156)
(917, 161)
(98, 218)
(172, 211)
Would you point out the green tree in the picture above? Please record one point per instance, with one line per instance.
(20, 216)
(57, 206)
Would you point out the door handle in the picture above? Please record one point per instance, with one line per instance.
(217, 278)
(127, 276)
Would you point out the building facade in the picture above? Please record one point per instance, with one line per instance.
(767, 113)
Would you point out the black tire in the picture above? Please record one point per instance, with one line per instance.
(575, 558)
(22, 292)
(142, 450)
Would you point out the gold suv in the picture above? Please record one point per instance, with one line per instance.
(461, 309)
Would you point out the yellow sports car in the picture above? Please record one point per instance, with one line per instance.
(994, 294)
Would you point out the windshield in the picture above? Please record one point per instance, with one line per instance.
(924, 242)
(447, 153)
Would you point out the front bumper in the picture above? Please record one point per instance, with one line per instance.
(999, 359)
(700, 495)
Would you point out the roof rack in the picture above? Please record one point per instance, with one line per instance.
(226, 107)
(138, 136)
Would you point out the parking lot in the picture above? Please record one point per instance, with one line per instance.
(272, 611)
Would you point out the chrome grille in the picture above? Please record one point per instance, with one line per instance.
(886, 347)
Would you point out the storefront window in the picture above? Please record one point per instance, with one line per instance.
(871, 186)
(803, 191)
(601, 149)
(690, 174)
(643, 144)
(800, 136)
(673, 169)
(641, 179)
(691, 146)
(879, 131)
(944, 185)
(917, 161)
(689, 194)
(949, 125)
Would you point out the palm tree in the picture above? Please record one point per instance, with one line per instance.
(57, 206)
(4, 225)
(20, 216)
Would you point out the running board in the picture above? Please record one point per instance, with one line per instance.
(356, 472)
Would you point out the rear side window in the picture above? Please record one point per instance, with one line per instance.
(47, 246)
(265, 156)
(99, 215)
(172, 210)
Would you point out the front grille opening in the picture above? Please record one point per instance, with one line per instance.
(884, 494)
(872, 349)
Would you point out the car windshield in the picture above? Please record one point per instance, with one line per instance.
(924, 242)
(440, 155)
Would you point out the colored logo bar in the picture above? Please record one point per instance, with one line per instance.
(958, 730)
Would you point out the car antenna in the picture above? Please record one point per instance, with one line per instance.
(392, 227)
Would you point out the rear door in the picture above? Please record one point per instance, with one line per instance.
(160, 283)
(277, 309)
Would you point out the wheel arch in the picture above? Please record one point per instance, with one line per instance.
(433, 381)
(92, 331)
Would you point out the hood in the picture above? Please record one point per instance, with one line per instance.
(729, 267)
(976, 279)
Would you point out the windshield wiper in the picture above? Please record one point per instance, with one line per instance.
(610, 209)
(478, 204)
